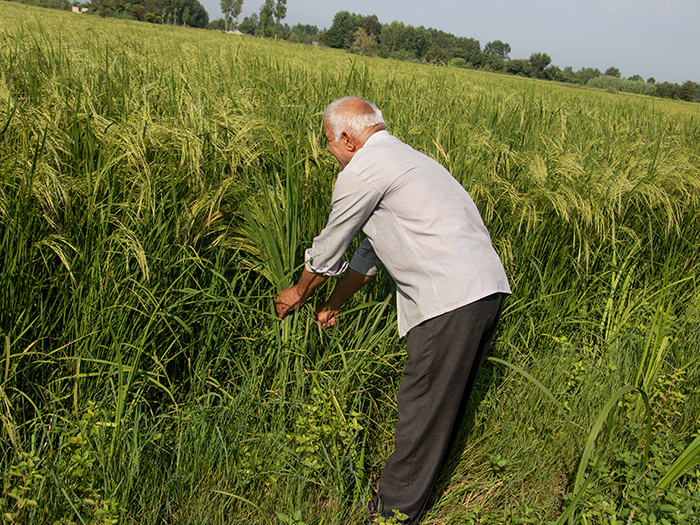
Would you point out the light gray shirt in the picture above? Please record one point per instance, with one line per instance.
(421, 225)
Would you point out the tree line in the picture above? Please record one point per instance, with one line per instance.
(366, 35)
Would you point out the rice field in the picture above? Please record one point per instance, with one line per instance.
(158, 186)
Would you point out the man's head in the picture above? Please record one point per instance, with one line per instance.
(347, 123)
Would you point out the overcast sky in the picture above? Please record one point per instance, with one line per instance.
(651, 38)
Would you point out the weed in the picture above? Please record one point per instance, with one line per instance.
(20, 485)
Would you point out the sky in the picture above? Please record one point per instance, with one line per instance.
(651, 38)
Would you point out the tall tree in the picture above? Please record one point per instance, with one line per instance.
(689, 91)
(367, 44)
(539, 62)
(341, 33)
(266, 12)
(227, 10)
(585, 74)
(280, 11)
(304, 33)
(237, 7)
(613, 72)
(498, 49)
(186, 12)
(249, 24)
(519, 66)
(372, 26)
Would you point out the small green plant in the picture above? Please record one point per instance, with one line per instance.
(466, 517)
(19, 485)
(291, 519)
(498, 464)
(527, 516)
(627, 491)
(396, 519)
(323, 426)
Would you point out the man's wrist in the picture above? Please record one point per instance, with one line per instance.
(334, 305)
(298, 294)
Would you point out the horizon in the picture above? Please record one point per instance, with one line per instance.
(651, 38)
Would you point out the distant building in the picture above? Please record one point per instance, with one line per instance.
(78, 10)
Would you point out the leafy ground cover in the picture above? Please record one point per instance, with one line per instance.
(157, 189)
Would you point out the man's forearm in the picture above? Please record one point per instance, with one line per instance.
(351, 282)
(308, 282)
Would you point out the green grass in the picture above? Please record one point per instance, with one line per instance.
(158, 186)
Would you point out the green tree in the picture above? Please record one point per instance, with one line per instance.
(636, 78)
(554, 72)
(280, 10)
(613, 72)
(250, 24)
(341, 33)
(519, 66)
(367, 44)
(493, 63)
(185, 15)
(219, 24)
(266, 13)
(237, 7)
(689, 91)
(567, 75)
(539, 62)
(227, 11)
(304, 33)
(332, 38)
(186, 12)
(198, 16)
(584, 74)
(103, 7)
(231, 9)
(372, 26)
(667, 90)
(497, 49)
(495, 54)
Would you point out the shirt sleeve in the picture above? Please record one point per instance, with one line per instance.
(365, 261)
(354, 200)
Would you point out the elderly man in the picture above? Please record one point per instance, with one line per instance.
(423, 227)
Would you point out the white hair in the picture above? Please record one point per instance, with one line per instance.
(352, 115)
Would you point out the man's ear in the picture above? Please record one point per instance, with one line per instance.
(349, 143)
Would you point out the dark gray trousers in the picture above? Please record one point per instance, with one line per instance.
(445, 355)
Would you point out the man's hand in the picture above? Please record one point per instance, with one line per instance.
(326, 316)
(292, 298)
(327, 313)
(288, 301)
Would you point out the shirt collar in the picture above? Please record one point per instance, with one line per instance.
(376, 136)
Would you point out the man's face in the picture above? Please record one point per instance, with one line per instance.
(337, 149)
